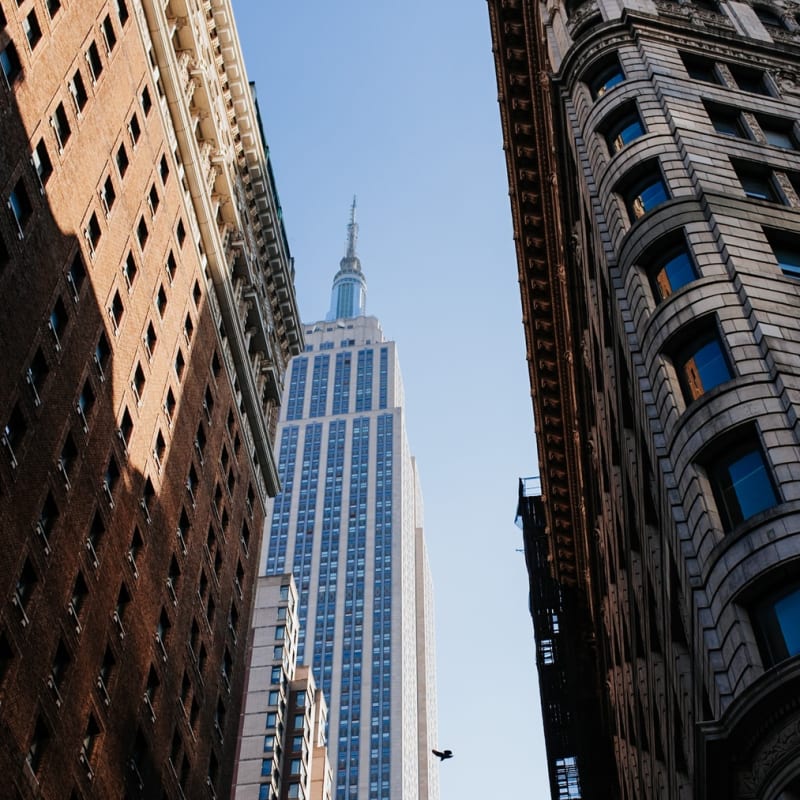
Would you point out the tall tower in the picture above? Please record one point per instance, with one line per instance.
(348, 525)
(652, 153)
(349, 292)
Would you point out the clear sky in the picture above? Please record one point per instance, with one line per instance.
(396, 102)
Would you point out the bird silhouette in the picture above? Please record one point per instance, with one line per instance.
(443, 754)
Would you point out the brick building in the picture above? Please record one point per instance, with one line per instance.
(148, 318)
(652, 152)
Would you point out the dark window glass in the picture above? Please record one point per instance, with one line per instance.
(672, 273)
(606, 78)
(108, 34)
(727, 121)
(147, 102)
(623, 129)
(768, 17)
(749, 80)
(701, 364)
(700, 69)
(740, 479)
(778, 624)
(757, 183)
(122, 160)
(645, 194)
(786, 248)
(41, 162)
(20, 203)
(32, 30)
(9, 62)
(93, 59)
(61, 126)
(77, 89)
(778, 132)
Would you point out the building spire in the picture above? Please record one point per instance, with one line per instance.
(349, 294)
(352, 232)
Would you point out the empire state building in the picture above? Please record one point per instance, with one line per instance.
(348, 525)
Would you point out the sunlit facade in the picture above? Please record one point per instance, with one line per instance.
(348, 525)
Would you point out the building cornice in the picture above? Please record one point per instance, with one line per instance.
(528, 141)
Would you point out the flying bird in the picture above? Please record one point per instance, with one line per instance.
(443, 754)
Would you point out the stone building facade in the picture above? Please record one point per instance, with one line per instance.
(652, 152)
(148, 318)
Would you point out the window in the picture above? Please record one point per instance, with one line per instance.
(134, 129)
(606, 76)
(122, 160)
(53, 7)
(180, 364)
(85, 403)
(757, 182)
(76, 274)
(102, 352)
(169, 405)
(78, 91)
(20, 204)
(122, 11)
(130, 270)
(108, 34)
(142, 233)
(42, 164)
(146, 101)
(701, 362)
(180, 232)
(111, 478)
(39, 740)
(778, 132)
(727, 121)
(10, 63)
(48, 515)
(644, 193)
(749, 80)
(700, 69)
(280, 631)
(671, 271)
(92, 232)
(153, 199)
(768, 17)
(93, 59)
(150, 340)
(161, 302)
(37, 374)
(60, 125)
(777, 623)
(171, 267)
(33, 33)
(197, 294)
(163, 169)
(623, 128)
(58, 321)
(740, 478)
(126, 428)
(138, 382)
(786, 249)
(68, 457)
(107, 195)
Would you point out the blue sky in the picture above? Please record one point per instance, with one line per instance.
(397, 103)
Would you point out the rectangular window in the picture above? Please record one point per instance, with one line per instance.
(757, 182)
(700, 69)
(10, 63)
(727, 121)
(92, 232)
(623, 129)
(605, 77)
(786, 249)
(749, 80)
(701, 364)
(778, 132)
(108, 34)
(77, 89)
(20, 205)
(108, 195)
(643, 194)
(30, 26)
(60, 124)
(777, 623)
(53, 7)
(94, 61)
(740, 478)
(122, 11)
(672, 269)
(122, 160)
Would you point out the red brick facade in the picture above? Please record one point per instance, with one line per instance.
(131, 501)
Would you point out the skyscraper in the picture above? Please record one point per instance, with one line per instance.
(148, 317)
(348, 525)
(652, 153)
